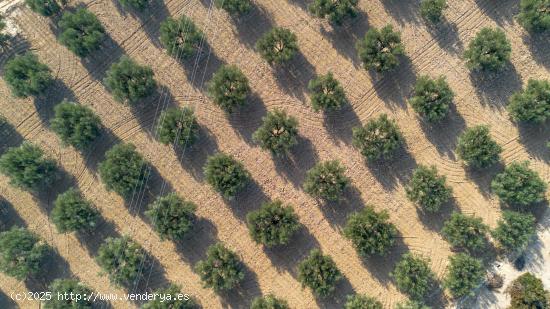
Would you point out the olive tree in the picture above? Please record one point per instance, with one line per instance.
(68, 287)
(44, 7)
(326, 93)
(269, 302)
(129, 81)
(81, 32)
(465, 232)
(359, 301)
(489, 50)
(319, 273)
(515, 230)
(412, 304)
(234, 7)
(76, 125)
(432, 10)
(139, 5)
(519, 185)
(464, 274)
(380, 49)
(278, 132)
(477, 148)
(278, 45)
(226, 175)
(413, 276)
(121, 259)
(221, 270)
(326, 180)
(178, 126)
(28, 168)
(27, 76)
(273, 224)
(172, 298)
(527, 292)
(432, 98)
(123, 169)
(370, 231)
(378, 139)
(335, 11)
(229, 88)
(428, 189)
(71, 212)
(531, 105)
(534, 15)
(180, 37)
(22, 253)
(172, 217)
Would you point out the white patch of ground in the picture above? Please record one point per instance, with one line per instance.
(8, 8)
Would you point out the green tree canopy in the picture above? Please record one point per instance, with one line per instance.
(359, 301)
(44, 7)
(428, 189)
(226, 175)
(269, 302)
(22, 253)
(527, 292)
(172, 217)
(229, 88)
(432, 10)
(273, 224)
(531, 105)
(129, 81)
(335, 11)
(515, 230)
(27, 76)
(319, 273)
(413, 275)
(378, 139)
(178, 126)
(173, 299)
(489, 50)
(464, 231)
(370, 231)
(4, 37)
(68, 286)
(71, 212)
(534, 15)
(123, 169)
(519, 185)
(277, 45)
(221, 270)
(326, 180)
(412, 304)
(139, 5)
(326, 93)
(432, 98)
(464, 274)
(234, 7)
(477, 148)
(121, 259)
(278, 132)
(380, 48)
(180, 37)
(81, 32)
(75, 124)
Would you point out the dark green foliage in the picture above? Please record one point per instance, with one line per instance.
(428, 189)
(75, 124)
(432, 98)
(319, 273)
(411, 304)
(229, 88)
(27, 76)
(129, 81)
(534, 15)
(432, 10)
(477, 148)
(273, 224)
(370, 232)
(121, 259)
(139, 5)
(22, 253)
(27, 167)
(380, 48)
(378, 139)
(226, 175)
(44, 7)
(464, 274)
(326, 93)
(278, 132)
(326, 180)
(515, 230)
(174, 299)
(278, 45)
(234, 7)
(335, 11)
(532, 104)
(123, 169)
(81, 32)
(68, 287)
(178, 126)
(413, 275)
(489, 50)
(466, 232)
(527, 292)
(269, 302)
(71, 212)
(180, 37)
(222, 269)
(519, 185)
(4, 37)
(171, 216)
(359, 301)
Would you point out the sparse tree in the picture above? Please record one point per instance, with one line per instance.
(370, 231)
(234, 7)
(413, 275)
(22, 253)
(75, 124)
(4, 37)
(81, 32)
(432, 98)
(464, 274)
(27, 76)
(380, 49)
(466, 232)
(534, 15)
(123, 169)
(129, 81)
(226, 175)
(432, 10)
(68, 287)
(378, 139)
(180, 37)
(278, 45)
(229, 88)
(326, 93)
(273, 224)
(412, 304)
(171, 300)
(527, 292)
(519, 185)
(71, 212)
(326, 180)
(178, 127)
(27, 167)
(319, 273)
(139, 5)
(44, 7)
(515, 230)
(278, 132)
(531, 105)
(477, 148)
(359, 301)
(428, 189)
(335, 11)
(269, 302)
(172, 217)
(221, 270)
(489, 50)
(121, 259)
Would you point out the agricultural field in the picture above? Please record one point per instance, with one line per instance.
(420, 183)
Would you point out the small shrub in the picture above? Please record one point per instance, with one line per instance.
(534, 15)
(319, 273)
(22, 253)
(432, 10)
(172, 217)
(81, 32)
(519, 185)
(359, 301)
(531, 105)
(273, 224)
(173, 299)
(527, 292)
(413, 275)
(428, 189)
(278, 132)
(489, 50)
(71, 212)
(68, 287)
(277, 46)
(27, 76)
(432, 98)
(222, 269)
(269, 302)
(412, 304)
(335, 11)
(326, 93)
(178, 126)
(75, 124)
(4, 37)
(139, 5)
(180, 37)
(463, 231)
(234, 7)
(379, 139)
(229, 88)
(326, 180)
(44, 7)
(380, 48)
(121, 259)
(129, 81)
(123, 169)
(515, 230)
(27, 167)
(464, 274)
(226, 175)
(477, 148)
(370, 232)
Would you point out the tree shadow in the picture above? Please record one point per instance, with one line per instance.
(193, 158)
(46, 196)
(55, 267)
(56, 93)
(100, 61)
(494, 89)
(248, 119)
(17, 45)
(295, 75)
(95, 154)
(483, 177)
(403, 13)
(435, 221)
(539, 45)
(444, 135)
(341, 123)
(151, 277)
(200, 68)
(242, 295)
(301, 158)
(151, 18)
(338, 212)
(93, 239)
(380, 266)
(446, 36)
(287, 257)
(253, 25)
(247, 200)
(502, 12)
(303, 4)
(395, 86)
(8, 216)
(9, 136)
(148, 110)
(6, 302)
(534, 138)
(396, 170)
(153, 185)
(192, 248)
(338, 298)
